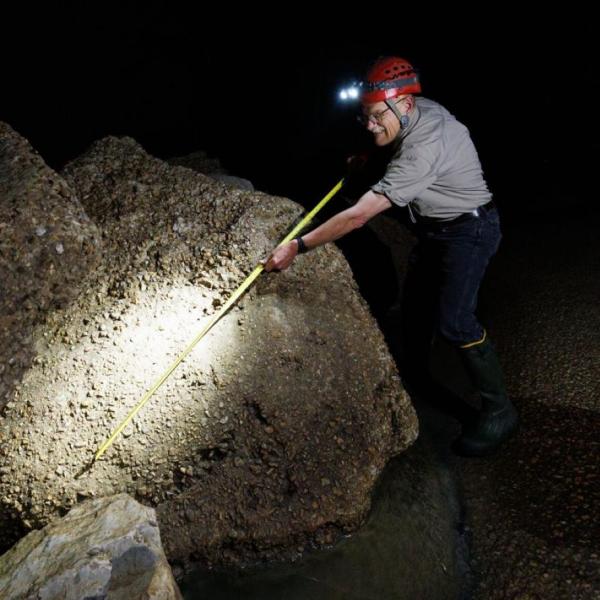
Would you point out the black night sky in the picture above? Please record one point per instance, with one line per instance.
(261, 93)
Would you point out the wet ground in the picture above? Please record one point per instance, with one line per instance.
(527, 523)
(533, 510)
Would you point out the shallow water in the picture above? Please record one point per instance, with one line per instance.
(409, 547)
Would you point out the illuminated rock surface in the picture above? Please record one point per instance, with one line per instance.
(267, 439)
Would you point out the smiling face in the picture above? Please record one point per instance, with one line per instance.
(382, 122)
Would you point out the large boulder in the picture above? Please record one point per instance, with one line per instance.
(47, 247)
(268, 438)
(104, 548)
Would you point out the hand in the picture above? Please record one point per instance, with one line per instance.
(355, 163)
(282, 257)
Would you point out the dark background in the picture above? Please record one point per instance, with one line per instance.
(260, 90)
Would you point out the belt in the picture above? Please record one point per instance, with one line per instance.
(433, 223)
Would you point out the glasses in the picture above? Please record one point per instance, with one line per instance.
(375, 118)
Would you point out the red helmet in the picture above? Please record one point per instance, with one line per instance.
(389, 77)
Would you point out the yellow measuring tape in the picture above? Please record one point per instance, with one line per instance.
(257, 271)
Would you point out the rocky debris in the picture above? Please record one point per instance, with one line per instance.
(267, 439)
(104, 548)
(202, 163)
(48, 245)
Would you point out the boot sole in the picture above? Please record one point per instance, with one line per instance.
(469, 451)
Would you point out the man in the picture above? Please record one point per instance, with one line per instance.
(434, 172)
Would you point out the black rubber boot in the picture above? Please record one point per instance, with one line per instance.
(498, 419)
(440, 397)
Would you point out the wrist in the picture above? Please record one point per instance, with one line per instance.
(301, 245)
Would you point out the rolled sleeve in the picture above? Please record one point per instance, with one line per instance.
(407, 175)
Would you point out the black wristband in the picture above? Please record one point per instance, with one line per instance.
(301, 245)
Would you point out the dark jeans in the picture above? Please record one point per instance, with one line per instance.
(444, 273)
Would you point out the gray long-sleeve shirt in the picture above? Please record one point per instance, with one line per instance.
(434, 166)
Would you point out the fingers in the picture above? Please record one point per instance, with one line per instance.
(281, 258)
(272, 263)
(269, 263)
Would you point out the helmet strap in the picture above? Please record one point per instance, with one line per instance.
(404, 119)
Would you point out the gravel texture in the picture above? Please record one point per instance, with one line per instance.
(533, 509)
(270, 436)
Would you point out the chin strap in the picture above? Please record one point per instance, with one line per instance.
(394, 108)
